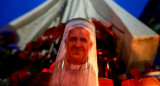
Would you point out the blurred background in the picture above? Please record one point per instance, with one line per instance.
(23, 66)
(147, 11)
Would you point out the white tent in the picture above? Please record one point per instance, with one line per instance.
(140, 43)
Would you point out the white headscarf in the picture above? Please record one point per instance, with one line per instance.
(89, 26)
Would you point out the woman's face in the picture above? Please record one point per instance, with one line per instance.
(77, 45)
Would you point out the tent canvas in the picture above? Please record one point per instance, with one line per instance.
(140, 43)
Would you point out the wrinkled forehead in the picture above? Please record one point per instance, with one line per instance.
(79, 31)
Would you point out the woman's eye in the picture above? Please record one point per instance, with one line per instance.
(73, 39)
(83, 40)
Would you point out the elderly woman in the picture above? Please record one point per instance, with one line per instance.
(76, 62)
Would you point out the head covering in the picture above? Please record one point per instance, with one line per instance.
(86, 24)
(89, 26)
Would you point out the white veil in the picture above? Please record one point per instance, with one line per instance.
(92, 55)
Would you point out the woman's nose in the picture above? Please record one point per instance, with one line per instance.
(77, 44)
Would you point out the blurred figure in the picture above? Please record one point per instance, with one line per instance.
(76, 61)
